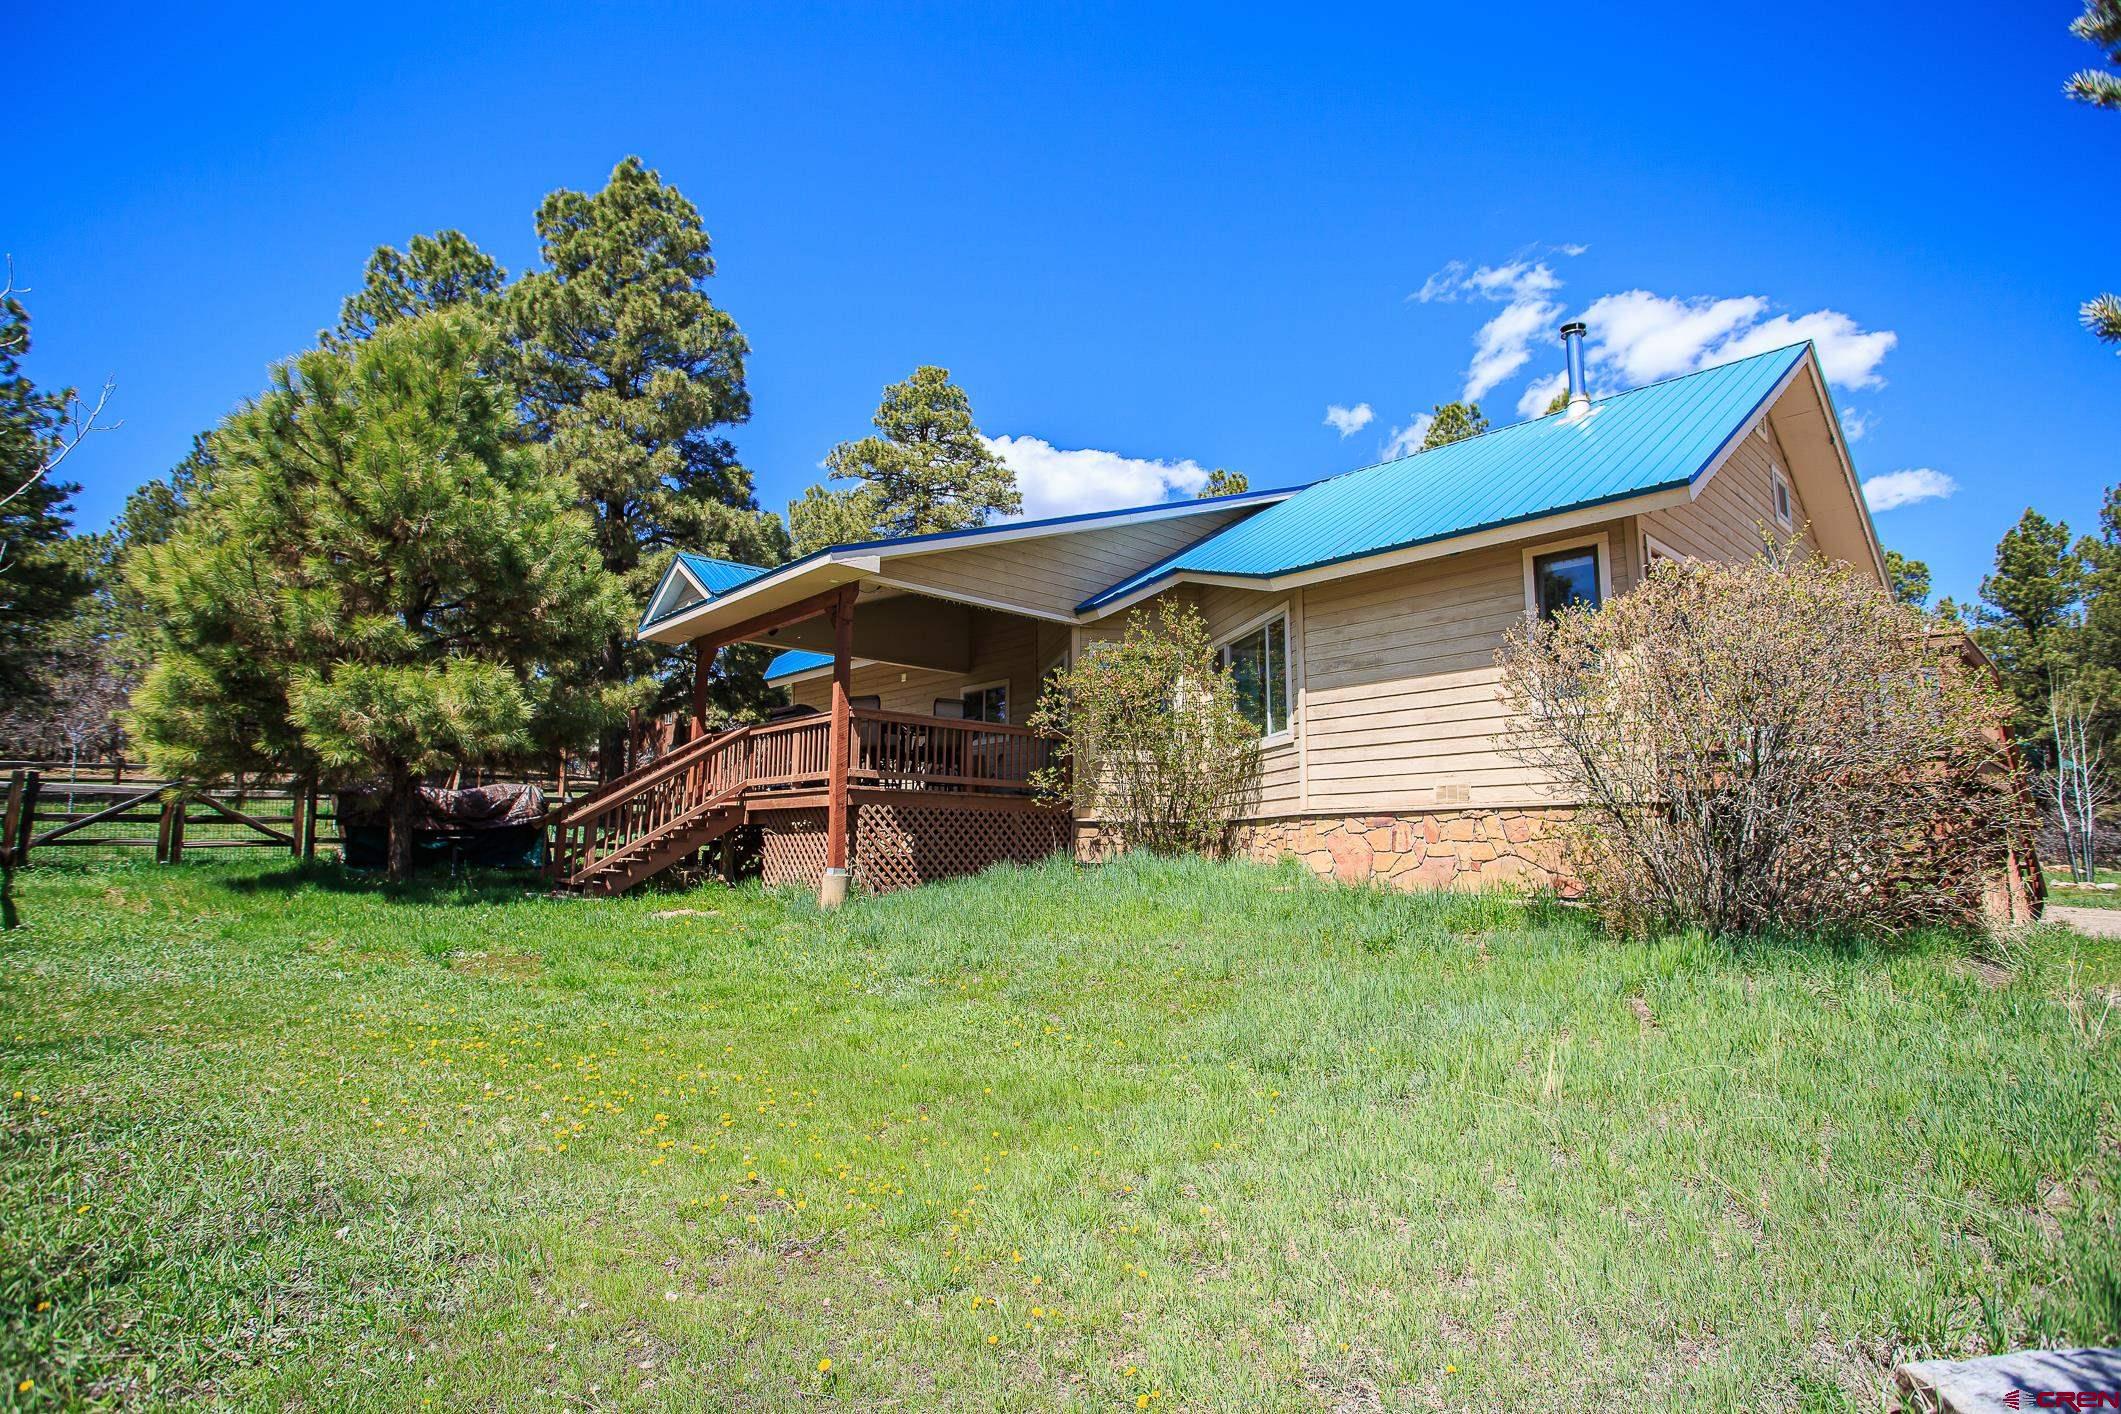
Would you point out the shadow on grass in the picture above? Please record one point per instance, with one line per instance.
(466, 888)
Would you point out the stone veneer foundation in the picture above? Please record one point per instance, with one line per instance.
(1421, 849)
(1429, 849)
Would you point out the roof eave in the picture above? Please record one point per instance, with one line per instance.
(821, 570)
(1543, 523)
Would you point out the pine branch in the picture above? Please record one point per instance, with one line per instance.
(2096, 87)
(2103, 317)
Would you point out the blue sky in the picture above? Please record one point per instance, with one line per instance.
(1139, 237)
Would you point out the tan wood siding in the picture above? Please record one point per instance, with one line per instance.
(1005, 648)
(1054, 573)
(1402, 708)
(1724, 522)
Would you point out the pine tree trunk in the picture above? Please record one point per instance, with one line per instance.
(612, 742)
(404, 795)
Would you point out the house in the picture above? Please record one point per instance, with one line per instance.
(1361, 612)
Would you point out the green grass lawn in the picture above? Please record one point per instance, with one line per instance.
(1161, 1135)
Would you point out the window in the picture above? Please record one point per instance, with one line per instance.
(1779, 491)
(987, 703)
(1562, 578)
(1655, 552)
(1258, 661)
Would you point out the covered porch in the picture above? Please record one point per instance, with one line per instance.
(847, 788)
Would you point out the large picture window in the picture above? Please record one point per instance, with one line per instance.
(1258, 660)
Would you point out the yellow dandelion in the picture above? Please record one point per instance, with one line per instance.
(824, 1365)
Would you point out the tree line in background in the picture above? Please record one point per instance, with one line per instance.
(424, 544)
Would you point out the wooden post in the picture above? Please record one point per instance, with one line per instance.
(165, 825)
(308, 833)
(169, 836)
(296, 788)
(832, 890)
(702, 659)
(12, 826)
(26, 822)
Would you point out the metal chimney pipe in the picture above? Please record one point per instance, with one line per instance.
(1572, 347)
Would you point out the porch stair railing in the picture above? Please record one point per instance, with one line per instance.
(657, 814)
(651, 817)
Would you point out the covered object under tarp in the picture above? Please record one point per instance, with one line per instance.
(485, 827)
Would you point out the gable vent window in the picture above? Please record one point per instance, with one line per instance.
(1258, 662)
(1779, 494)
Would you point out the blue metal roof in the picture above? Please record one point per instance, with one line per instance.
(1647, 439)
(718, 577)
(790, 661)
(722, 576)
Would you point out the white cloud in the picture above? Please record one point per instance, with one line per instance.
(1637, 337)
(1348, 421)
(1904, 488)
(1504, 343)
(1848, 355)
(1057, 481)
(1855, 426)
(1539, 392)
(1406, 440)
(1522, 278)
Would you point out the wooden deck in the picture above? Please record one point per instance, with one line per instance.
(648, 819)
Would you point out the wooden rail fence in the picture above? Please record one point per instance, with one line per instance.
(43, 814)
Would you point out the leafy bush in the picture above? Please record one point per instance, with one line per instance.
(1770, 745)
(1153, 744)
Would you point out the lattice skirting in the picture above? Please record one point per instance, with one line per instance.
(792, 847)
(900, 846)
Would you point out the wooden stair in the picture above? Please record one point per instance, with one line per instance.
(650, 818)
(614, 874)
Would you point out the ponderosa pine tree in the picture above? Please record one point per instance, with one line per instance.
(1908, 579)
(440, 271)
(39, 581)
(926, 469)
(377, 582)
(628, 374)
(1224, 482)
(1454, 422)
(2100, 24)
(2028, 618)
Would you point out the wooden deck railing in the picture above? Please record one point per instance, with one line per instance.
(888, 750)
(797, 752)
(939, 753)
